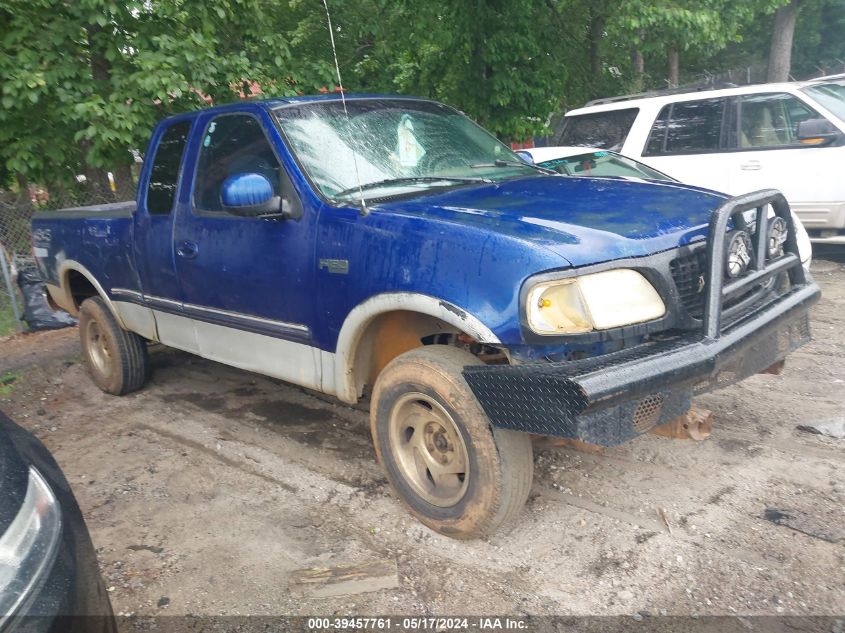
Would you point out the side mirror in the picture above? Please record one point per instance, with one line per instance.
(526, 156)
(249, 195)
(817, 132)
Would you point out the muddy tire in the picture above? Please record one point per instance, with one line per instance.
(454, 472)
(116, 359)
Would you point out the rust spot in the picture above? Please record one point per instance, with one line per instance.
(776, 369)
(393, 336)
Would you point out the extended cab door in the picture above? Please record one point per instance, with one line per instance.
(767, 153)
(153, 234)
(687, 142)
(247, 282)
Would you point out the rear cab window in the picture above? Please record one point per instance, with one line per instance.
(164, 174)
(688, 127)
(605, 130)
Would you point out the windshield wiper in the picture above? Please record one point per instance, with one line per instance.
(408, 181)
(500, 162)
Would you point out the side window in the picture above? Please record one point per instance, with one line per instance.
(687, 127)
(771, 120)
(656, 143)
(606, 130)
(232, 144)
(164, 174)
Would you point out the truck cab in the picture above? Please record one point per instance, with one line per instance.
(390, 249)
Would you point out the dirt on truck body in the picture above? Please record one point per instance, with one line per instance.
(218, 491)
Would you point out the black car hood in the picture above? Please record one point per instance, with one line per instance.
(14, 471)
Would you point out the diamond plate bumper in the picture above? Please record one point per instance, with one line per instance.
(612, 398)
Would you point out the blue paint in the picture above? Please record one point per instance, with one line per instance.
(473, 246)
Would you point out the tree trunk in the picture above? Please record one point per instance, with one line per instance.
(23, 189)
(672, 62)
(97, 185)
(638, 62)
(596, 33)
(780, 51)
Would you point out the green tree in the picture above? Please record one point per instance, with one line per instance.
(84, 81)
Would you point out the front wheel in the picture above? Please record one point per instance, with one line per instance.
(453, 471)
(116, 359)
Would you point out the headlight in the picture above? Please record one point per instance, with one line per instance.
(28, 547)
(598, 301)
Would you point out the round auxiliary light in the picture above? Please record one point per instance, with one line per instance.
(739, 254)
(777, 237)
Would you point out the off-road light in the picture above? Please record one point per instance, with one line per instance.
(777, 237)
(738, 255)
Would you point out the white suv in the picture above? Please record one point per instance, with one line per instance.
(788, 136)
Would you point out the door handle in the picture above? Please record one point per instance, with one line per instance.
(187, 249)
(751, 165)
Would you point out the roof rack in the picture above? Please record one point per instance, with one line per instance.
(661, 93)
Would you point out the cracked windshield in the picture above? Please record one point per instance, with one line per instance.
(389, 147)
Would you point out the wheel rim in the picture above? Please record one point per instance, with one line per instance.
(429, 449)
(97, 348)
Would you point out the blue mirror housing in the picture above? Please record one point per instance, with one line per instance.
(249, 195)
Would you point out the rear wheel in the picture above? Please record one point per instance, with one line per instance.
(116, 359)
(453, 471)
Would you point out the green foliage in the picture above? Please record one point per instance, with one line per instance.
(83, 82)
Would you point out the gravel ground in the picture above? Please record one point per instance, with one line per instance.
(209, 489)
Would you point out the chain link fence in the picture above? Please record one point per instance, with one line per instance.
(16, 258)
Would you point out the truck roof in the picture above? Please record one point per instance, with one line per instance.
(276, 102)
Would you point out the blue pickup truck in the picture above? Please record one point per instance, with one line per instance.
(389, 248)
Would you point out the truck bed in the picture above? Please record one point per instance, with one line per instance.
(97, 237)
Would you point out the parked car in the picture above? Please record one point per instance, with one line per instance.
(604, 163)
(389, 247)
(49, 577)
(591, 162)
(790, 136)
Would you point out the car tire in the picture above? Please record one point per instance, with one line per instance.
(455, 472)
(116, 359)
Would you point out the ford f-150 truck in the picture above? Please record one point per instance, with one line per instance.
(390, 248)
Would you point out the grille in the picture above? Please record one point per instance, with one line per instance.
(648, 412)
(688, 274)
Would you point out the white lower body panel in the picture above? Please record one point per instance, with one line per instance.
(290, 361)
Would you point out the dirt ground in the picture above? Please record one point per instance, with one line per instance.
(209, 489)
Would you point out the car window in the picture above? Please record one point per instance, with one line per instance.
(687, 127)
(232, 144)
(602, 164)
(607, 130)
(771, 120)
(164, 173)
(831, 96)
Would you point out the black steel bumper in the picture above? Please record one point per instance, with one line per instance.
(609, 399)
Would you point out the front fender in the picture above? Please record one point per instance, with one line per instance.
(359, 317)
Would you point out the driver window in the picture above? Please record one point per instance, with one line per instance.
(232, 144)
(771, 120)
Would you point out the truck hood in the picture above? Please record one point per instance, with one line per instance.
(584, 220)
